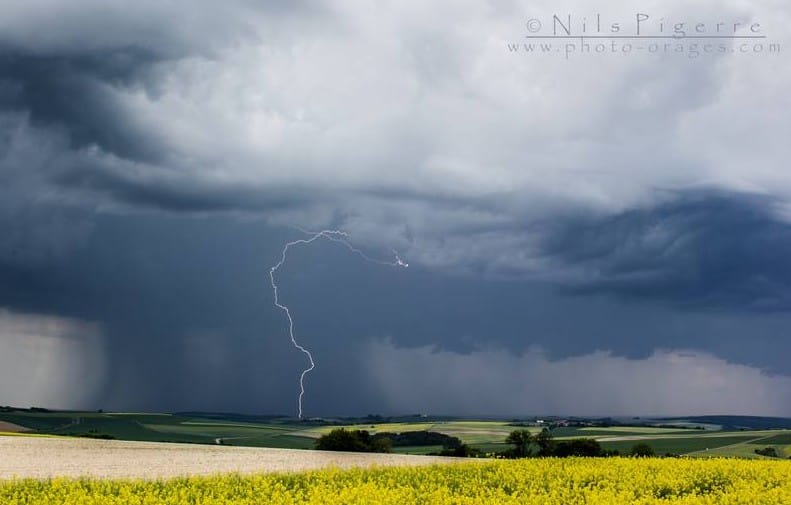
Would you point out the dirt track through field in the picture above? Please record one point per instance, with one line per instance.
(23, 457)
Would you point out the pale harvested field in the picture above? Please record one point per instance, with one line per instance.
(30, 457)
(12, 428)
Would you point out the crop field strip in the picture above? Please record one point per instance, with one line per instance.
(52, 457)
(610, 481)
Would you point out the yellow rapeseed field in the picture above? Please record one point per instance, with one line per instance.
(532, 481)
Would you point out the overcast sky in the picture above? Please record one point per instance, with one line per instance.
(603, 234)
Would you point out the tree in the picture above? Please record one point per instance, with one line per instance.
(586, 447)
(459, 451)
(546, 445)
(341, 439)
(770, 452)
(521, 440)
(418, 438)
(642, 450)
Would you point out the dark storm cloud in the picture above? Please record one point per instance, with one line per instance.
(180, 302)
(74, 93)
(187, 320)
(697, 249)
(64, 64)
(166, 194)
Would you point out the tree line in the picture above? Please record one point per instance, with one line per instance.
(524, 444)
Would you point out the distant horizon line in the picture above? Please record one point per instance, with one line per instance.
(412, 415)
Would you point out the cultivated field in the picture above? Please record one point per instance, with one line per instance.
(609, 481)
(44, 457)
(722, 436)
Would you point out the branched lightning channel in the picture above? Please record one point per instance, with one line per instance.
(340, 237)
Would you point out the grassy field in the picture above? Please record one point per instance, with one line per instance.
(610, 481)
(679, 445)
(485, 435)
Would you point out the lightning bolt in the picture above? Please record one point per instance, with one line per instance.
(339, 237)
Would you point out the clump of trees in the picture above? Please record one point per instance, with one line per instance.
(451, 446)
(767, 451)
(341, 439)
(522, 440)
(542, 444)
(580, 447)
(455, 448)
(525, 444)
(418, 438)
(642, 450)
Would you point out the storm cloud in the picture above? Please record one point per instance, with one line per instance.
(610, 209)
(698, 250)
(598, 384)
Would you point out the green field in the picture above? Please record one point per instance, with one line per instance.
(679, 445)
(487, 436)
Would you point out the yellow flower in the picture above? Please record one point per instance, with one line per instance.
(530, 481)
